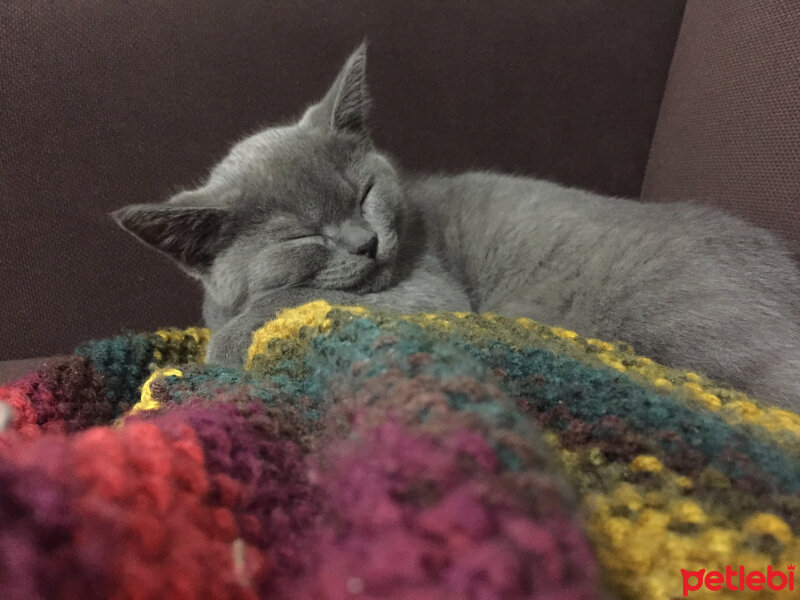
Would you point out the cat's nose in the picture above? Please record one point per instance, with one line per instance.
(358, 238)
(368, 248)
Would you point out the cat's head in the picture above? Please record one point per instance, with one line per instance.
(312, 203)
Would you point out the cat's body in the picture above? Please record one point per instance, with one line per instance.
(313, 211)
(684, 284)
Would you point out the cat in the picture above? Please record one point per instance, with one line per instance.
(313, 210)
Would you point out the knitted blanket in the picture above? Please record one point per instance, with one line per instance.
(369, 455)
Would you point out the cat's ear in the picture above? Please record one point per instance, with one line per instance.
(344, 108)
(190, 235)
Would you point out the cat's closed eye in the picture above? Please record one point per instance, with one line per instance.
(310, 236)
(365, 193)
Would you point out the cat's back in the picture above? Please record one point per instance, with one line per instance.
(493, 229)
(535, 248)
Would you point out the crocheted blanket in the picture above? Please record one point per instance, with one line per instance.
(369, 455)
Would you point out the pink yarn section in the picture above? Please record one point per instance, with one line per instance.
(413, 515)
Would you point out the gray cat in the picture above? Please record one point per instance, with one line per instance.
(313, 210)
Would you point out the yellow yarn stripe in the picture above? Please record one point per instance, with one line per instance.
(201, 335)
(146, 401)
(644, 556)
(733, 407)
(287, 324)
(637, 533)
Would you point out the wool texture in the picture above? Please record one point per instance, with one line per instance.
(370, 455)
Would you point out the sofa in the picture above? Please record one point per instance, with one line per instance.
(108, 104)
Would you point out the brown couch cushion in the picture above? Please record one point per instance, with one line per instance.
(110, 103)
(729, 128)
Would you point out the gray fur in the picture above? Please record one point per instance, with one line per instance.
(290, 215)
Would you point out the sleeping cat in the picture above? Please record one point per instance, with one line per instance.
(313, 210)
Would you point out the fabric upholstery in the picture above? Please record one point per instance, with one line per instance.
(105, 104)
(12, 369)
(729, 127)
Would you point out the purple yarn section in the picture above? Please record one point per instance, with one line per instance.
(409, 514)
(67, 395)
(40, 556)
(387, 508)
(256, 470)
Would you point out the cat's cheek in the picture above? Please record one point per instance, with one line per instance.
(387, 246)
(387, 221)
(288, 265)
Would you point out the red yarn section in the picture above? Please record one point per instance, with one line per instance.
(66, 395)
(25, 418)
(140, 519)
(257, 473)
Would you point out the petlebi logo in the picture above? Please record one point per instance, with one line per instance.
(737, 579)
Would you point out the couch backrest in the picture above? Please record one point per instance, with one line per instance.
(729, 128)
(104, 104)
